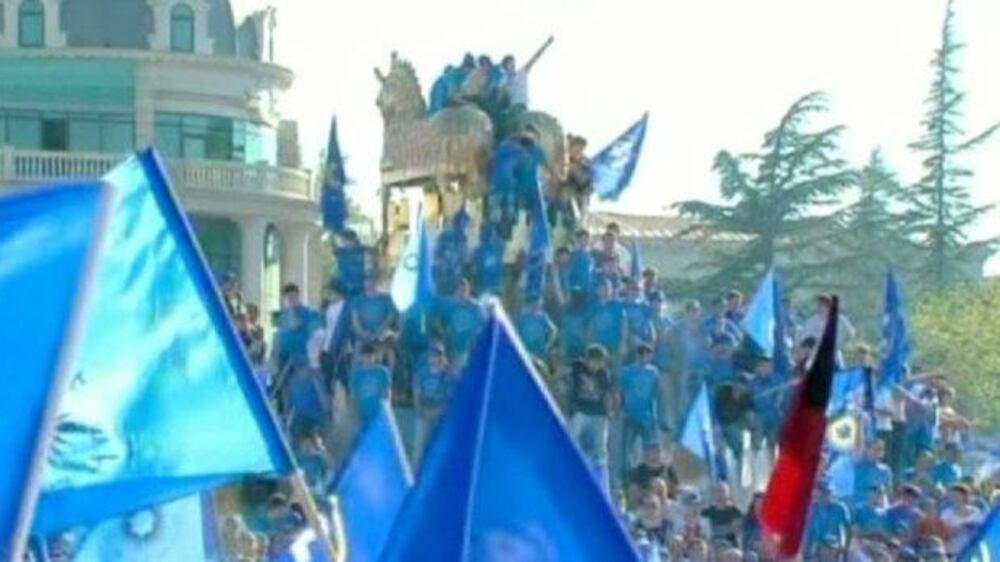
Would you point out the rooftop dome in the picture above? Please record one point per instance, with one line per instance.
(127, 24)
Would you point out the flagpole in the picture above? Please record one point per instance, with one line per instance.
(301, 489)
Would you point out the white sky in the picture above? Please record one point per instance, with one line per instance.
(714, 74)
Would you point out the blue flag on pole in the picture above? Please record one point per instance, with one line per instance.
(500, 482)
(333, 197)
(49, 239)
(161, 402)
(761, 317)
(413, 281)
(985, 544)
(371, 487)
(697, 432)
(896, 341)
(613, 166)
(180, 531)
(780, 358)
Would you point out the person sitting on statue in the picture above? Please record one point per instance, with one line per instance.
(442, 90)
(516, 79)
(488, 263)
(451, 250)
(351, 264)
(478, 83)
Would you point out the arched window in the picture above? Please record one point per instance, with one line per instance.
(182, 28)
(31, 24)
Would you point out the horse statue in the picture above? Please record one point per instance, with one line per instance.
(448, 151)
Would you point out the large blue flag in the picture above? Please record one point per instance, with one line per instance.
(502, 479)
(697, 432)
(48, 240)
(162, 402)
(333, 197)
(413, 281)
(985, 544)
(761, 317)
(180, 531)
(613, 166)
(896, 341)
(371, 487)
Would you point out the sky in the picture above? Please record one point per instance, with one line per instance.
(714, 74)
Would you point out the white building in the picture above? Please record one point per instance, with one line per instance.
(84, 82)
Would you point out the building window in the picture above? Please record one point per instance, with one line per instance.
(31, 24)
(201, 137)
(61, 131)
(182, 29)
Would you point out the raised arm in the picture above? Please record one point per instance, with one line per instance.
(538, 54)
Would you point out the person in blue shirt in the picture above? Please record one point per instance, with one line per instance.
(573, 320)
(351, 264)
(501, 201)
(373, 313)
(608, 272)
(370, 384)
(768, 402)
(639, 314)
(459, 319)
(871, 471)
(607, 326)
(528, 173)
(639, 385)
(433, 385)
(536, 329)
(734, 307)
(828, 518)
(901, 519)
(692, 348)
(948, 471)
(488, 263)
(720, 358)
(869, 518)
(718, 323)
(580, 270)
(559, 289)
(295, 325)
(451, 252)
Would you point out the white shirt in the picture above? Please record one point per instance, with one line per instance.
(332, 320)
(517, 87)
(815, 325)
(960, 527)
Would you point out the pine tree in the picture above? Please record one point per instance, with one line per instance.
(769, 215)
(940, 207)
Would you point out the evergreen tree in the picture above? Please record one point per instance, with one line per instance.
(771, 199)
(940, 209)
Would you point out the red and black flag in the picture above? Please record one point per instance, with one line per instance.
(785, 507)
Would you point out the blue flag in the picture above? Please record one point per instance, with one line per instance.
(697, 432)
(780, 358)
(162, 402)
(985, 544)
(500, 482)
(896, 341)
(848, 390)
(613, 166)
(761, 317)
(333, 197)
(180, 531)
(48, 240)
(413, 281)
(371, 487)
(636, 258)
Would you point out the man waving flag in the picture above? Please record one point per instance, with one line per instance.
(789, 494)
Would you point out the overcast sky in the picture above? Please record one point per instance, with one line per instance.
(713, 74)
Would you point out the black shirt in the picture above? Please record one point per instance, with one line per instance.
(590, 390)
(643, 474)
(722, 521)
(732, 401)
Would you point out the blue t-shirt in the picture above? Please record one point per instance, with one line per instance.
(600, 277)
(434, 387)
(640, 320)
(351, 269)
(693, 349)
(826, 519)
(640, 390)
(901, 520)
(945, 473)
(506, 157)
(662, 349)
(867, 474)
(573, 333)
(450, 254)
(869, 519)
(606, 322)
(461, 320)
(536, 331)
(369, 388)
(294, 326)
(373, 310)
(488, 259)
(580, 270)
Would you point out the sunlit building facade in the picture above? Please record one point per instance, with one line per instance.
(84, 82)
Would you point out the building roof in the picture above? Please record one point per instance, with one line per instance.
(637, 226)
(127, 24)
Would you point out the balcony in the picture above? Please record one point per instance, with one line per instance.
(38, 166)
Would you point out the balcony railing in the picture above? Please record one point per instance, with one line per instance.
(39, 166)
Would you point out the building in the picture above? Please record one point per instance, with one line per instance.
(84, 82)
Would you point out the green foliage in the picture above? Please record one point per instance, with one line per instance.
(771, 198)
(940, 211)
(958, 333)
